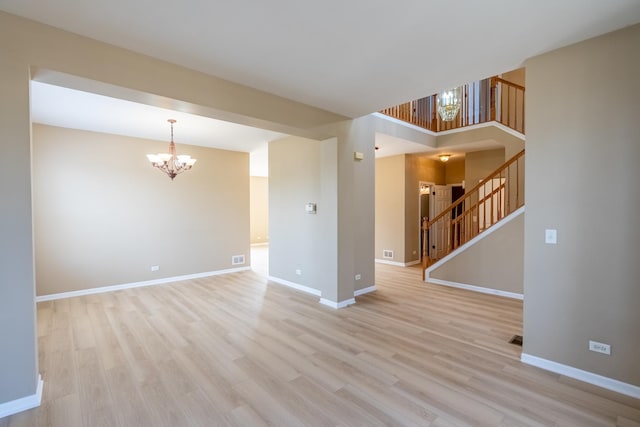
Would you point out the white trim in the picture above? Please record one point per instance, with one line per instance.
(337, 305)
(260, 244)
(504, 221)
(476, 288)
(112, 288)
(579, 374)
(24, 403)
(396, 263)
(297, 286)
(364, 291)
(407, 124)
(497, 124)
(494, 123)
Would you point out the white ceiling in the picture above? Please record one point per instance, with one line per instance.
(349, 57)
(69, 108)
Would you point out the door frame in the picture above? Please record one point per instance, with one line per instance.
(421, 185)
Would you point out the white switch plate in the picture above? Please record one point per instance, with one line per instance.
(155, 267)
(599, 347)
(358, 276)
(299, 272)
(551, 236)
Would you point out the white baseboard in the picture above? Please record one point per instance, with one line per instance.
(297, 286)
(364, 291)
(337, 305)
(24, 403)
(317, 292)
(112, 288)
(475, 288)
(396, 263)
(579, 374)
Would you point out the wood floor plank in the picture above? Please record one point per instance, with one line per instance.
(236, 350)
(131, 410)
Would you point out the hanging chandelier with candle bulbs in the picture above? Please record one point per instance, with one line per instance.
(171, 163)
(449, 104)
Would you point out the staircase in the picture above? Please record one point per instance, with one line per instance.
(494, 198)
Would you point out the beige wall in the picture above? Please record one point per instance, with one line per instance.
(334, 245)
(495, 262)
(19, 355)
(67, 59)
(479, 164)
(390, 206)
(259, 209)
(103, 216)
(419, 167)
(397, 203)
(355, 205)
(454, 170)
(294, 180)
(516, 76)
(581, 155)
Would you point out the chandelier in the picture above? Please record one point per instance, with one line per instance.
(449, 104)
(170, 163)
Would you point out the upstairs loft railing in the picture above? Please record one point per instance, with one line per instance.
(495, 197)
(492, 99)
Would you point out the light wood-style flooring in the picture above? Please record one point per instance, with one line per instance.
(233, 351)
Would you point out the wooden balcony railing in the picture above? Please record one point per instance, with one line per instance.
(495, 197)
(492, 99)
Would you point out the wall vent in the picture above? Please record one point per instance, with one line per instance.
(387, 253)
(516, 339)
(237, 260)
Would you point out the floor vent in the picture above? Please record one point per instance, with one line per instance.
(516, 339)
(386, 253)
(237, 260)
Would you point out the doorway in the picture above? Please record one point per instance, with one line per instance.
(433, 200)
(425, 206)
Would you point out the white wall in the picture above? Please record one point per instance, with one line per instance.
(259, 209)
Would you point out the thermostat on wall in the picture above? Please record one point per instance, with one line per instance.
(310, 208)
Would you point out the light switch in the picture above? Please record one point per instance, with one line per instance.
(551, 236)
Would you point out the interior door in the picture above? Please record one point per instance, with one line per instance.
(439, 233)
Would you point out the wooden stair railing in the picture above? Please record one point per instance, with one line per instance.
(495, 197)
(492, 99)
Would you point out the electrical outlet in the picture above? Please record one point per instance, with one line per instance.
(299, 272)
(155, 267)
(358, 276)
(599, 347)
